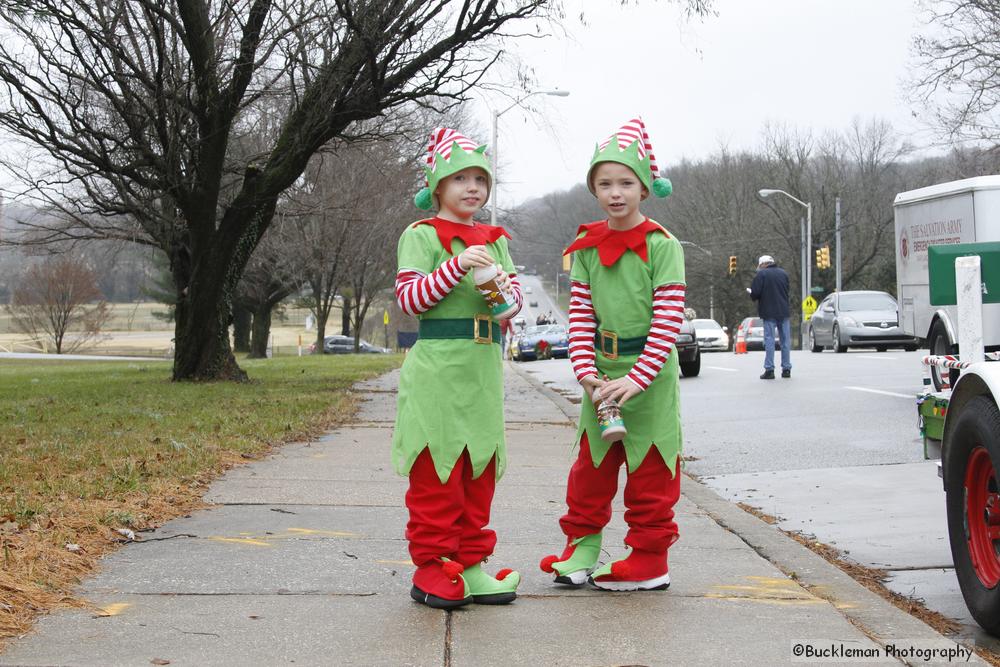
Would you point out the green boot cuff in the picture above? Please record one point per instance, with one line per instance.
(585, 555)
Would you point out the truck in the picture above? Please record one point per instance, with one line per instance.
(960, 423)
(957, 212)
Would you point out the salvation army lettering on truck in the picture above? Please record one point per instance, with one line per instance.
(944, 232)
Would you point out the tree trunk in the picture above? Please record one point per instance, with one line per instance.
(321, 319)
(201, 338)
(345, 317)
(242, 318)
(204, 311)
(261, 330)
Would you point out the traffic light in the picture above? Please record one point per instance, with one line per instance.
(732, 265)
(823, 257)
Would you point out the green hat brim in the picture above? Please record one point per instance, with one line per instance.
(458, 160)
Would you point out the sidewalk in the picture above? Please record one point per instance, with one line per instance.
(303, 561)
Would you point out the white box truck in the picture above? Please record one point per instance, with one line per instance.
(965, 211)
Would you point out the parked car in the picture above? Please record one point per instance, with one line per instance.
(525, 344)
(527, 289)
(345, 345)
(533, 303)
(752, 329)
(688, 351)
(858, 318)
(711, 335)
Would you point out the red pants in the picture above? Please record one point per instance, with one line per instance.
(650, 495)
(450, 519)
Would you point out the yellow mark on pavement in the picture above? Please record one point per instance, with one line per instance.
(395, 562)
(113, 609)
(325, 533)
(241, 540)
(765, 589)
(766, 600)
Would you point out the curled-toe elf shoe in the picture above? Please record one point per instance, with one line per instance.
(440, 584)
(640, 571)
(488, 589)
(578, 559)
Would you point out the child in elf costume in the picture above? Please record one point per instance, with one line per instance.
(449, 434)
(626, 306)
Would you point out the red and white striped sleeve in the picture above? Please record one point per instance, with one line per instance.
(582, 329)
(417, 293)
(515, 286)
(668, 314)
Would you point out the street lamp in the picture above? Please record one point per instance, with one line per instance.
(806, 249)
(711, 279)
(494, 149)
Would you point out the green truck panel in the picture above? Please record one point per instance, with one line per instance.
(941, 271)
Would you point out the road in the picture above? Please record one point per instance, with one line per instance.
(833, 452)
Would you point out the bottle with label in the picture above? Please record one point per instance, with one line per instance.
(501, 301)
(609, 418)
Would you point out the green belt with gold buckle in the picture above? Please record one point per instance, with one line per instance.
(611, 345)
(480, 328)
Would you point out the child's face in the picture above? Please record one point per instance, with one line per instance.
(618, 190)
(464, 192)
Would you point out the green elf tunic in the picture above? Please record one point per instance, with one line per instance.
(450, 390)
(622, 295)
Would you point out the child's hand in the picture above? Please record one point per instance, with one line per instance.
(503, 280)
(475, 256)
(619, 390)
(590, 383)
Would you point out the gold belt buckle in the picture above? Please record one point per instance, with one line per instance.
(488, 338)
(613, 337)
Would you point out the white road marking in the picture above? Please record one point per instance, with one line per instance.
(722, 368)
(885, 393)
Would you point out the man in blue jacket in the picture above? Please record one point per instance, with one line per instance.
(770, 290)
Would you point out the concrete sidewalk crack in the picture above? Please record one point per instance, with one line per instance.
(447, 639)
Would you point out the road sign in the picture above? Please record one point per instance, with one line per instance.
(385, 318)
(808, 307)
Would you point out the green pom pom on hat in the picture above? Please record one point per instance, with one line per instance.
(449, 152)
(423, 199)
(630, 146)
(662, 187)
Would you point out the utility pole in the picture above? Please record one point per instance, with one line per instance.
(837, 236)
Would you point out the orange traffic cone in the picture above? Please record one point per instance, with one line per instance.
(741, 344)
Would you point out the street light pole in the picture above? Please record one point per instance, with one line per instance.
(806, 250)
(495, 150)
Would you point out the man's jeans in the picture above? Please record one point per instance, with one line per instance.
(784, 328)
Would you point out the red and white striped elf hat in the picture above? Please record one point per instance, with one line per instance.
(449, 152)
(630, 146)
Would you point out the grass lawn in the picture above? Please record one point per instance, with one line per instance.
(87, 448)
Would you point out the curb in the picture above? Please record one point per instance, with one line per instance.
(880, 620)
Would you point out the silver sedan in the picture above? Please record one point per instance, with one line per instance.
(858, 318)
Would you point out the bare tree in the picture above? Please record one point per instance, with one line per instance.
(132, 107)
(271, 276)
(58, 300)
(958, 68)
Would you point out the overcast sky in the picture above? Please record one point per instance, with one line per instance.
(812, 64)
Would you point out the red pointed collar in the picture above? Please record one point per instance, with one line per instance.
(611, 244)
(476, 234)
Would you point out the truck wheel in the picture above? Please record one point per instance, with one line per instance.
(973, 507)
(838, 346)
(691, 368)
(813, 345)
(938, 344)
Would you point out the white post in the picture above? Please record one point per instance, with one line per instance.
(969, 290)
